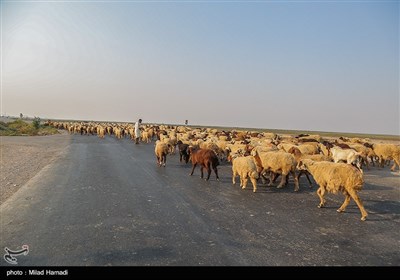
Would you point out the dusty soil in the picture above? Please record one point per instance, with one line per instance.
(22, 157)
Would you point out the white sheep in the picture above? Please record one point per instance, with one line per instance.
(349, 156)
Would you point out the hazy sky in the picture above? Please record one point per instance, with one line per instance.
(307, 65)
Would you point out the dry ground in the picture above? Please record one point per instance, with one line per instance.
(22, 157)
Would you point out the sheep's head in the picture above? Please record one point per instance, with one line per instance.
(294, 151)
(254, 174)
(304, 164)
(232, 156)
(357, 162)
(253, 152)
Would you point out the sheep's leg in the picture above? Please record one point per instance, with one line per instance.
(287, 180)
(365, 160)
(381, 162)
(201, 170)
(180, 157)
(216, 172)
(254, 182)
(308, 178)
(355, 197)
(283, 181)
(165, 160)
(194, 166)
(395, 162)
(208, 170)
(245, 179)
(296, 181)
(158, 161)
(234, 178)
(321, 193)
(274, 176)
(263, 178)
(372, 161)
(345, 203)
(271, 174)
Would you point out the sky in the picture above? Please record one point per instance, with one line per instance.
(302, 65)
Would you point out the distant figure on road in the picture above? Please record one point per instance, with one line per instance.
(137, 131)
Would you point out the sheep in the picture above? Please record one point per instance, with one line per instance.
(100, 131)
(387, 151)
(299, 156)
(334, 177)
(364, 152)
(146, 137)
(118, 132)
(245, 167)
(325, 147)
(171, 142)
(109, 130)
(316, 137)
(183, 151)
(206, 158)
(285, 146)
(308, 149)
(161, 151)
(350, 156)
(132, 133)
(277, 162)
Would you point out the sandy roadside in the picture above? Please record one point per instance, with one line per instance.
(22, 157)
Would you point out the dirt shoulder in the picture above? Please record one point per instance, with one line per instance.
(22, 157)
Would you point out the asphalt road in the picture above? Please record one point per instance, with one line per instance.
(106, 202)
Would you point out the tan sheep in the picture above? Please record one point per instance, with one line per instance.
(278, 163)
(246, 168)
(387, 151)
(334, 177)
(313, 136)
(118, 132)
(100, 131)
(299, 156)
(364, 152)
(309, 149)
(285, 146)
(161, 150)
(145, 137)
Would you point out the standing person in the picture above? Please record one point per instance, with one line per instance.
(137, 131)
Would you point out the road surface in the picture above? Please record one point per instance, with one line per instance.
(106, 202)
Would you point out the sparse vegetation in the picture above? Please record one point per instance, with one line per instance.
(36, 122)
(22, 128)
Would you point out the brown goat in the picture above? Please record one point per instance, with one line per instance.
(206, 158)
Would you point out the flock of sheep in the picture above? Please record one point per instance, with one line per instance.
(336, 165)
